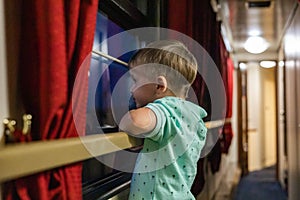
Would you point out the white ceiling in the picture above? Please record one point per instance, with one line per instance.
(239, 20)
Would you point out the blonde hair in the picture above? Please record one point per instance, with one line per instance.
(171, 59)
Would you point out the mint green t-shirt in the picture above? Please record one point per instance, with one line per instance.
(167, 165)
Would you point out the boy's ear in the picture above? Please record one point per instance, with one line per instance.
(162, 84)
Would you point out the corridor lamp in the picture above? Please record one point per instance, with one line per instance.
(243, 66)
(256, 45)
(267, 64)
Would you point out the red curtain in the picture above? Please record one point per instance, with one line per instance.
(227, 75)
(56, 37)
(198, 20)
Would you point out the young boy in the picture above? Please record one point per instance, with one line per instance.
(173, 128)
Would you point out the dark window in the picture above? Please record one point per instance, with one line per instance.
(114, 16)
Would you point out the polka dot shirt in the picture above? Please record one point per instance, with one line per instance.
(167, 165)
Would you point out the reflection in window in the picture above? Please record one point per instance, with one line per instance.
(105, 74)
(103, 77)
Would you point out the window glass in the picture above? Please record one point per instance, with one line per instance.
(142, 5)
(103, 77)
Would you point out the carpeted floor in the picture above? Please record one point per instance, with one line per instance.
(260, 185)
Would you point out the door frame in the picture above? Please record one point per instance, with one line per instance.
(242, 115)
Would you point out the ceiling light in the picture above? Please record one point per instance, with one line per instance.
(281, 63)
(267, 64)
(243, 66)
(256, 45)
(254, 32)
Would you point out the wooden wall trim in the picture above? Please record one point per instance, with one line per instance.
(19, 160)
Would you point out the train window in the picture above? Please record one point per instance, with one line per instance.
(131, 14)
(100, 181)
(155, 10)
(142, 5)
(104, 75)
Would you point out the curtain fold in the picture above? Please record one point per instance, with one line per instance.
(56, 38)
(227, 75)
(198, 20)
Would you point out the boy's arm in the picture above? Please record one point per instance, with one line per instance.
(138, 121)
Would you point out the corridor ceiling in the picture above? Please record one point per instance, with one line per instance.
(243, 18)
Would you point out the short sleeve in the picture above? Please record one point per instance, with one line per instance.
(157, 133)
